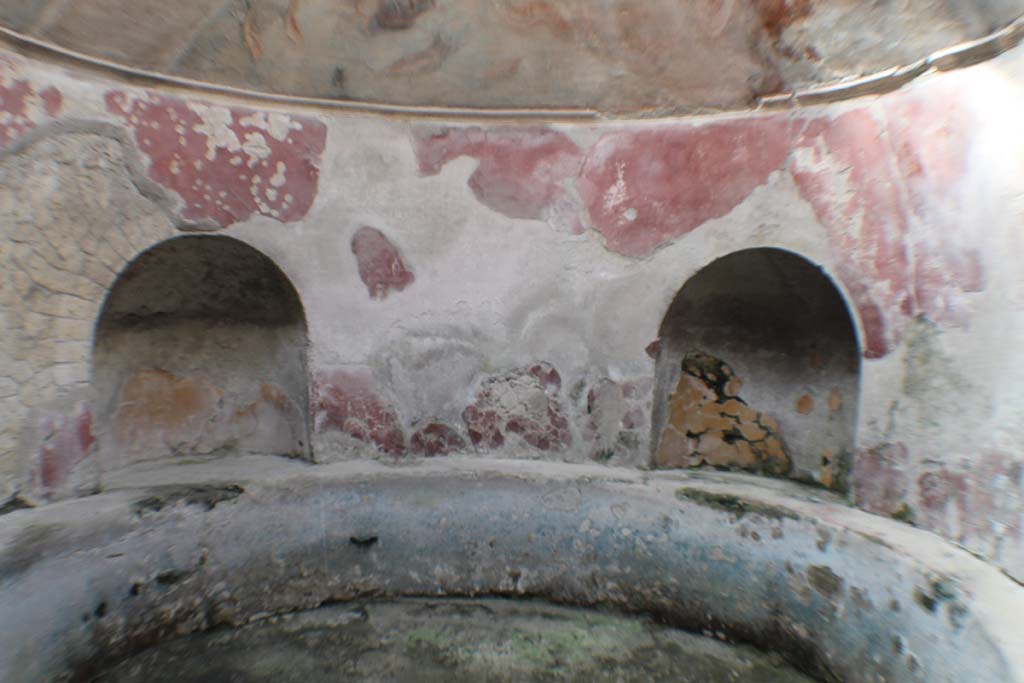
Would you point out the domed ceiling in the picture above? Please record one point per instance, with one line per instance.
(616, 56)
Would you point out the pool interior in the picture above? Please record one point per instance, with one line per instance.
(451, 641)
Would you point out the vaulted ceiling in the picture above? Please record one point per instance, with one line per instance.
(611, 55)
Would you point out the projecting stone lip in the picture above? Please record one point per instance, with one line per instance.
(104, 582)
(735, 505)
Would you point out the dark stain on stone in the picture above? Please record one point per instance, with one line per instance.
(942, 590)
(957, 615)
(396, 15)
(170, 577)
(825, 581)
(878, 540)
(926, 601)
(824, 539)
(1016, 473)
(32, 544)
(203, 495)
(13, 504)
(739, 507)
(861, 599)
(778, 15)
(363, 541)
(904, 513)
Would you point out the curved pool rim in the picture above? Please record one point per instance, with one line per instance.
(174, 549)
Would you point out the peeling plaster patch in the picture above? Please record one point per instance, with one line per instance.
(710, 424)
(164, 411)
(999, 498)
(349, 401)
(618, 414)
(22, 106)
(67, 441)
(642, 189)
(944, 497)
(396, 15)
(157, 408)
(883, 185)
(217, 158)
(880, 481)
(976, 502)
(436, 439)
(381, 267)
(522, 172)
(825, 581)
(876, 179)
(278, 126)
(524, 403)
(206, 496)
(53, 101)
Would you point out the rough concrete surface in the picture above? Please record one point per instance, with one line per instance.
(456, 641)
(179, 548)
(611, 55)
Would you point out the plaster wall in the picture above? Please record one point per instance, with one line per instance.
(493, 288)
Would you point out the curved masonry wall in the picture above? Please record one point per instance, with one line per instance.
(496, 289)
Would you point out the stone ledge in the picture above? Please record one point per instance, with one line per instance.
(784, 567)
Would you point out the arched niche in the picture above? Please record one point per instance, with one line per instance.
(758, 369)
(201, 348)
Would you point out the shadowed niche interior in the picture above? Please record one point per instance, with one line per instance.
(200, 349)
(758, 370)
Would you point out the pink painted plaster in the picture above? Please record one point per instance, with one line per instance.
(226, 163)
(24, 104)
(349, 401)
(381, 267)
(522, 172)
(67, 441)
(644, 188)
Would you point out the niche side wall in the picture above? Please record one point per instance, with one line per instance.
(201, 348)
(758, 371)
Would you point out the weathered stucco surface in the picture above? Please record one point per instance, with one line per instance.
(610, 55)
(493, 288)
(453, 641)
